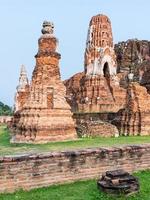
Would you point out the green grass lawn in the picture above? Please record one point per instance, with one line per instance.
(6, 148)
(83, 190)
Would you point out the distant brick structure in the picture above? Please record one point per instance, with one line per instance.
(44, 115)
(134, 54)
(132, 51)
(22, 90)
(5, 119)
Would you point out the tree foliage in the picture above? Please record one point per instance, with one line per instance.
(5, 109)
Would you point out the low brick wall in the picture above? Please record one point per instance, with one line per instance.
(33, 171)
(5, 119)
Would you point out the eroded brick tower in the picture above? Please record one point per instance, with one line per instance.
(99, 89)
(99, 54)
(46, 115)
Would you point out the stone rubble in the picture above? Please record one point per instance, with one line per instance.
(118, 182)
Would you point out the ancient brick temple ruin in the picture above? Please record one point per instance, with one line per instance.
(100, 97)
(99, 89)
(110, 97)
(41, 111)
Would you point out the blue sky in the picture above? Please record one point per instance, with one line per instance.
(21, 21)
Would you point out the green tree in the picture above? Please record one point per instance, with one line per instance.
(5, 109)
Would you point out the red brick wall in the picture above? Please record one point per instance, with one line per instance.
(5, 119)
(33, 171)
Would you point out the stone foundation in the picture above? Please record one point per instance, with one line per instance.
(40, 170)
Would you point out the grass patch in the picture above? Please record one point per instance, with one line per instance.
(6, 148)
(83, 190)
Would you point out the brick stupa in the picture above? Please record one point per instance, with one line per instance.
(22, 89)
(45, 115)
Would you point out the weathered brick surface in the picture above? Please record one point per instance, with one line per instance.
(134, 119)
(33, 171)
(97, 89)
(134, 55)
(132, 51)
(95, 124)
(45, 114)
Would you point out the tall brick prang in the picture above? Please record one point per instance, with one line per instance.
(99, 89)
(99, 53)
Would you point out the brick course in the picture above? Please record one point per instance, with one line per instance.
(40, 170)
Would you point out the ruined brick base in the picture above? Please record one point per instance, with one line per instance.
(43, 126)
(95, 94)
